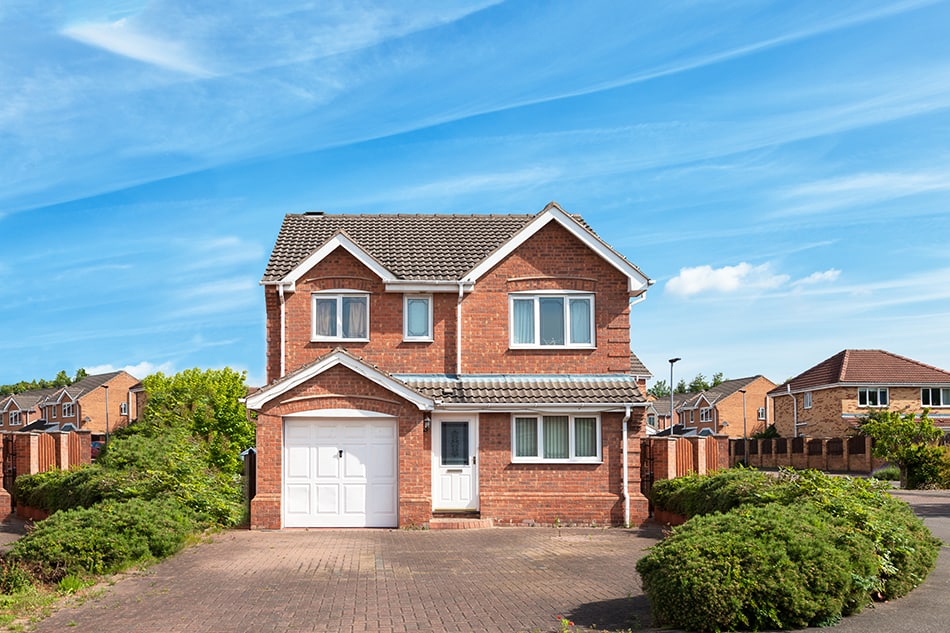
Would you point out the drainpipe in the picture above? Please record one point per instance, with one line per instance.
(626, 475)
(794, 410)
(283, 331)
(458, 332)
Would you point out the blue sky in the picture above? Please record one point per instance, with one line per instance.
(782, 170)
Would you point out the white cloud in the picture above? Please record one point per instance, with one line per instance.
(829, 275)
(121, 38)
(743, 276)
(139, 370)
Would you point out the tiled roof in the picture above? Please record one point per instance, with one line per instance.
(517, 389)
(720, 391)
(82, 387)
(442, 247)
(638, 368)
(866, 366)
(26, 400)
(662, 405)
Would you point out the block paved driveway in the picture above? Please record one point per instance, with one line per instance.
(501, 579)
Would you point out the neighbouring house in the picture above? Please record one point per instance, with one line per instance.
(661, 406)
(95, 403)
(737, 408)
(430, 366)
(831, 398)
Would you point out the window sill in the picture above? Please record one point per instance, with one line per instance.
(585, 461)
(331, 339)
(555, 347)
(417, 340)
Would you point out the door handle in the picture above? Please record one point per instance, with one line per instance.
(341, 452)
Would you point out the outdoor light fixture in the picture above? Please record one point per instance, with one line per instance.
(426, 423)
(672, 361)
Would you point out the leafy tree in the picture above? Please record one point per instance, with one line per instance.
(61, 380)
(717, 379)
(698, 384)
(681, 387)
(80, 374)
(206, 403)
(659, 390)
(907, 440)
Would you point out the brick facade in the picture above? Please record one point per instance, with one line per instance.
(552, 259)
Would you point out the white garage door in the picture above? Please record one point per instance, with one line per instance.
(340, 473)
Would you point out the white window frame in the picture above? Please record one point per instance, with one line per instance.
(14, 418)
(760, 414)
(566, 295)
(705, 414)
(572, 459)
(339, 296)
(864, 391)
(427, 337)
(68, 410)
(123, 408)
(943, 397)
(807, 400)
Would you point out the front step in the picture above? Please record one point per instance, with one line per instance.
(459, 523)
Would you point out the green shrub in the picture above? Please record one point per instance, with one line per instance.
(887, 473)
(768, 566)
(14, 578)
(109, 537)
(720, 492)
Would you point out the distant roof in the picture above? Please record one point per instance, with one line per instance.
(413, 247)
(29, 399)
(720, 391)
(865, 366)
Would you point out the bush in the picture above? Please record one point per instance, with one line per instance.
(14, 578)
(769, 566)
(109, 537)
(858, 515)
(887, 473)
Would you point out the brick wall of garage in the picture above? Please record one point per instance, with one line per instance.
(341, 388)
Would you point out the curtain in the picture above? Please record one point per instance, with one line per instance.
(552, 320)
(556, 437)
(526, 437)
(523, 328)
(324, 318)
(417, 317)
(354, 317)
(580, 320)
(585, 437)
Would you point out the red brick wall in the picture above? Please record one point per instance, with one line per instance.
(341, 388)
(568, 493)
(93, 405)
(551, 259)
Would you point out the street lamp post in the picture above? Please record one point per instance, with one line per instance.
(745, 436)
(672, 361)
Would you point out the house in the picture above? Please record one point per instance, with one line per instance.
(831, 398)
(97, 403)
(737, 408)
(430, 366)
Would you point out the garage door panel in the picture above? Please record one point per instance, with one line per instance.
(326, 489)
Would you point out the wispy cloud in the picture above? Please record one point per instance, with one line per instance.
(122, 38)
(829, 275)
(226, 295)
(743, 276)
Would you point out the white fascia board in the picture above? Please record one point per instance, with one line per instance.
(256, 401)
(410, 286)
(540, 407)
(337, 241)
(637, 282)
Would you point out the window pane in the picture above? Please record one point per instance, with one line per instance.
(580, 321)
(552, 320)
(556, 437)
(455, 443)
(585, 437)
(945, 398)
(925, 397)
(354, 317)
(526, 437)
(417, 317)
(523, 327)
(324, 318)
(882, 397)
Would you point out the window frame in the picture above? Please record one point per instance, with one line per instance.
(761, 413)
(338, 295)
(535, 297)
(807, 400)
(705, 414)
(943, 393)
(123, 408)
(539, 439)
(70, 412)
(427, 338)
(13, 418)
(879, 390)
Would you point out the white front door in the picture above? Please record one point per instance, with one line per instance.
(340, 473)
(454, 467)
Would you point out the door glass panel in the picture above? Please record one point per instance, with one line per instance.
(455, 443)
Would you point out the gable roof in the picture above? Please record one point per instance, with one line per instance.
(424, 247)
(81, 387)
(865, 366)
(722, 390)
(338, 356)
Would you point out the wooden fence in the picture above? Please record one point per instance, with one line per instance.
(31, 453)
(836, 455)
